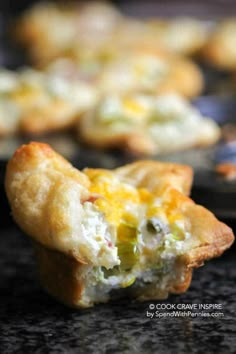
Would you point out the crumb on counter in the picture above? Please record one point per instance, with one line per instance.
(227, 170)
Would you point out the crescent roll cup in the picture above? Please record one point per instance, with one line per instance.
(132, 231)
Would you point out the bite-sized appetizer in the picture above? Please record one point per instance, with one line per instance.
(50, 30)
(103, 233)
(151, 72)
(36, 102)
(220, 50)
(146, 124)
(182, 35)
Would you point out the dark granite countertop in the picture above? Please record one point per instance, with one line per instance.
(32, 322)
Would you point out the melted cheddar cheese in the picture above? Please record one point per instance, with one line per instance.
(125, 206)
(114, 197)
(149, 230)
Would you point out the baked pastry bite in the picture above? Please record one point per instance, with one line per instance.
(99, 233)
(35, 102)
(146, 124)
(151, 71)
(220, 49)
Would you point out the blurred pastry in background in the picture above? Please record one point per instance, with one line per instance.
(35, 102)
(181, 35)
(146, 124)
(45, 30)
(98, 29)
(151, 72)
(220, 49)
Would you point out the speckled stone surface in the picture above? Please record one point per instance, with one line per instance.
(32, 322)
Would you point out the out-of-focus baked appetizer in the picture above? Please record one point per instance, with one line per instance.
(220, 50)
(36, 102)
(99, 233)
(145, 124)
(181, 35)
(151, 72)
(50, 30)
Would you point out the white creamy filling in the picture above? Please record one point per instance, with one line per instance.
(156, 264)
(97, 241)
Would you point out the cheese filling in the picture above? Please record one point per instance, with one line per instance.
(148, 234)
